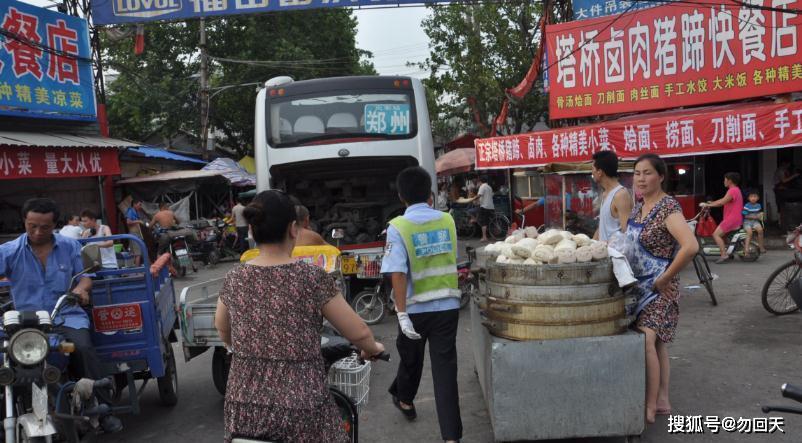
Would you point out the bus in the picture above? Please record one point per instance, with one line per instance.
(337, 144)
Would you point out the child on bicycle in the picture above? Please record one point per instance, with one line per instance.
(753, 220)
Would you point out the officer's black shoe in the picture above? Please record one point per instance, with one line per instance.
(111, 424)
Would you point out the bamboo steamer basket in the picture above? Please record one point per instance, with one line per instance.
(552, 301)
(503, 291)
(551, 275)
(557, 313)
(484, 258)
(514, 330)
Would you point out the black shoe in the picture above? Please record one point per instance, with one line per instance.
(410, 414)
(111, 424)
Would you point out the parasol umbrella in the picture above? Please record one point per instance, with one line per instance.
(456, 161)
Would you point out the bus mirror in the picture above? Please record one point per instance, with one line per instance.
(337, 233)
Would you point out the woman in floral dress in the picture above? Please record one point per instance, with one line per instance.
(269, 315)
(664, 244)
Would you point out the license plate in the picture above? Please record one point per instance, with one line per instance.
(117, 317)
(39, 401)
(180, 252)
(349, 266)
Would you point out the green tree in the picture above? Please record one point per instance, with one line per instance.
(159, 89)
(477, 52)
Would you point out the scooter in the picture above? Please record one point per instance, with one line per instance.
(34, 367)
(467, 279)
(334, 348)
(735, 246)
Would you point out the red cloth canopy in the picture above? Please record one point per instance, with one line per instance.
(456, 161)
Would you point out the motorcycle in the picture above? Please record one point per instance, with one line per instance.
(335, 348)
(215, 242)
(36, 391)
(178, 247)
(467, 279)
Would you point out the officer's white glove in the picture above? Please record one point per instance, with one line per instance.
(406, 326)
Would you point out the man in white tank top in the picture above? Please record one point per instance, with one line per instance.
(616, 200)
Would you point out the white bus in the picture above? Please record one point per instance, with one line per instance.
(338, 143)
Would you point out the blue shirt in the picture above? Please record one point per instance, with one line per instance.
(131, 214)
(34, 288)
(750, 208)
(396, 259)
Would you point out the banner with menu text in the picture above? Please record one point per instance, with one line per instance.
(679, 54)
(687, 132)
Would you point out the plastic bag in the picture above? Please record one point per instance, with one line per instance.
(621, 243)
(706, 226)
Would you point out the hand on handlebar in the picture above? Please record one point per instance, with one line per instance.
(83, 296)
(378, 354)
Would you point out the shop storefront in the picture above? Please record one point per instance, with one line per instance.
(75, 171)
(50, 141)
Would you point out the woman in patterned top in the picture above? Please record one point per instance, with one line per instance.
(664, 244)
(269, 314)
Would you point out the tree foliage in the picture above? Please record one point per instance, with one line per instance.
(159, 90)
(478, 51)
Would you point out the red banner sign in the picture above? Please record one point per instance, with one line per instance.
(57, 163)
(117, 317)
(679, 54)
(686, 132)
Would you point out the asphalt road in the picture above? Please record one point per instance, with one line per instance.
(726, 361)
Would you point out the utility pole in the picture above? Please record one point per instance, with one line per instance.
(204, 91)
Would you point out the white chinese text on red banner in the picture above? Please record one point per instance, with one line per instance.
(687, 132)
(57, 163)
(679, 54)
(45, 64)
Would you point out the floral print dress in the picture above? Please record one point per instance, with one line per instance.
(662, 313)
(277, 386)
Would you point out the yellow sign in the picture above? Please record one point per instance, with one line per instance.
(349, 266)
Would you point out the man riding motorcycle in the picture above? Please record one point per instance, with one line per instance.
(166, 228)
(40, 265)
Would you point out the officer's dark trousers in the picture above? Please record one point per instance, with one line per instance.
(440, 330)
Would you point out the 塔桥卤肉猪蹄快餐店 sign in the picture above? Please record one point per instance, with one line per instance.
(45, 64)
(106, 12)
(679, 54)
(729, 128)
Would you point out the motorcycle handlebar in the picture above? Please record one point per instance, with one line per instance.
(792, 392)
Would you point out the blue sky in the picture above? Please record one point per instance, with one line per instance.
(395, 37)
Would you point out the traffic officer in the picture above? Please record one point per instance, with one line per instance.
(421, 258)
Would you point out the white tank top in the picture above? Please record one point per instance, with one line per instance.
(608, 225)
(107, 255)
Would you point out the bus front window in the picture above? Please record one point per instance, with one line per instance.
(296, 121)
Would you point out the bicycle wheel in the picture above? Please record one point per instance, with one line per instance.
(776, 297)
(705, 276)
(498, 227)
(754, 251)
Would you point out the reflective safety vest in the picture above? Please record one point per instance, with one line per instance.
(432, 251)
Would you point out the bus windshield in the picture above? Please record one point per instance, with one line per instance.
(330, 118)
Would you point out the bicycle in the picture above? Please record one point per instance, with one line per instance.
(777, 296)
(700, 264)
(467, 226)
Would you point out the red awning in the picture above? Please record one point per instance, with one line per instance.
(680, 132)
(456, 161)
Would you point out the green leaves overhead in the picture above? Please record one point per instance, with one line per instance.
(159, 90)
(478, 51)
